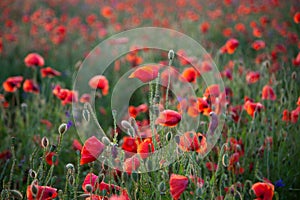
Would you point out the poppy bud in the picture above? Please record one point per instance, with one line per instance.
(294, 75)
(106, 141)
(70, 168)
(45, 142)
(125, 124)
(62, 128)
(225, 160)
(86, 115)
(162, 187)
(32, 173)
(169, 136)
(171, 54)
(71, 180)
(16, 194)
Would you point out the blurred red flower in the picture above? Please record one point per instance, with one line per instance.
(168, 118)
(99, 82)
(11, 84)
(268, 93)
(91, 150)
(49, 72)
(178, 184)
(33, 60)
(30, 86)
(263, 191)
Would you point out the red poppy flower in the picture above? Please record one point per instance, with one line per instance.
(204, 27)
(99, 82)
(145, 148)
(49, 158)
(212, 92)
(286, 115)
(192, 141)
(77, 146)
(107, 12)
(168, 118)
(40, 192)
(230, 46)
(295, 115)
(47, 123)
(203, 106)
(297, 17)
(11, 84)
(129, 144)
(34, 59)
(296, 61)
(49, 72)
(91, 150)
(132, 111)
(211, 166)
(131, 164)
(263, 191)
(91, 179)
(252, 77)
(85, 98)
(145, 73)
(298, 102)
(258, 44)
(30, 86)
(252, 107)
(189, 74)
(178, 184)
(268, 93)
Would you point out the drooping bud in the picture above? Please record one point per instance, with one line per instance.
(45, 142)
(62, 128)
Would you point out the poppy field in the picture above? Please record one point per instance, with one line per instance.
(134, 100)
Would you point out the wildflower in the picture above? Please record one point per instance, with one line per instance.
(230, 46)
(131, 164)
(107, 12)
(11, 84)
(49, 72)
(145, 73)
(145, 147)
(252, 77)
(168, 118)
(129, 144)
(258, 44)
(192, 141)
(33, 60)
(30, 86)
(85, 98)
(99, 82)
(51, 158)
(91, 150)
(263, 191)
(35, 191)
(90, 179)
(297, 17)
(178, 184)
(279, 183)
(76, 145)
(190, 75)
(252, 107)
(268, 93)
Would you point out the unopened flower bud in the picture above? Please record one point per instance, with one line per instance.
(62, 128)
